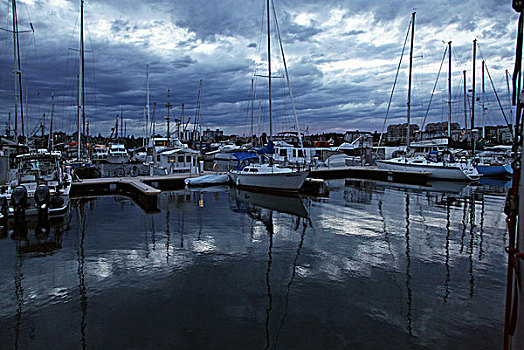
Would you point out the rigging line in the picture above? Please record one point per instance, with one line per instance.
(434, 87)
(66, 80)
(394, 84)
(287, 78)
(95, 112)
(496, 94)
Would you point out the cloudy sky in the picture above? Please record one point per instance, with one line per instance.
(342, 57)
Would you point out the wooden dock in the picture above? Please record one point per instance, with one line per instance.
(372, 173)
(144, 190)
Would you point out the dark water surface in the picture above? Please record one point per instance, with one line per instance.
(370, 266)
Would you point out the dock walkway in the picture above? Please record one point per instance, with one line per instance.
(145, 189)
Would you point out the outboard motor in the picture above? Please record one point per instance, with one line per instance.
(19, 202)
(4, 217)
(4, 210)
(42, 198)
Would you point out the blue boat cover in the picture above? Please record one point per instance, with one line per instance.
(268, 149)
(241, 156)
(243, 159)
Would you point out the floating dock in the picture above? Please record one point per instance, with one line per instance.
(371, 173)
(144, 190)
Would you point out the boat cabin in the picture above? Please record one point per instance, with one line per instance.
(178, 160)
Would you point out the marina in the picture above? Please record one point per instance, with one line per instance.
(228, 268)
(268, 174)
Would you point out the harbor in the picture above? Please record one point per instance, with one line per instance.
(228, 268)
(261, 175)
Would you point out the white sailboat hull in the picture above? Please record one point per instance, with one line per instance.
(278, 181)
(452, 171)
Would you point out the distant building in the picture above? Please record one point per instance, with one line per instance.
(499, 134)
(397, 133)
(212, 135)
(351, 136)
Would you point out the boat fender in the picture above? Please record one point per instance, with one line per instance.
(216, 167)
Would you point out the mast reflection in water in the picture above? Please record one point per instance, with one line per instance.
(369, 266)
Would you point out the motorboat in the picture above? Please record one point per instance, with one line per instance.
(439, 165)
(117, 154)
(39, 182)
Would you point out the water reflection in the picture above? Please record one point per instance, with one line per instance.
(81, 212)
(291, 280)
(19, 291)
(446, 264)
(470, 250)
(253, 270)
(408, 272)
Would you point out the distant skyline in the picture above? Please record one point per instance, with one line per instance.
(342, 58)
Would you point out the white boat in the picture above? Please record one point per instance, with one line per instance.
(100, 153)
(207, 180)
(438, 167)
(494, 162)
(269, 176)
(439, 164)
(38, 182)
(117, 154)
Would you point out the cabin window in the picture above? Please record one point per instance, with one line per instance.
(158, 158)
(188, 159)
(294, 153)
(181, 159)
(253, 170)
(300, 153)
(282, 152)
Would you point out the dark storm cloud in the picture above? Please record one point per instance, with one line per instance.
(341, 76)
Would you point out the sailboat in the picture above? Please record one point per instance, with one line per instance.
(249, 173)
(36, 182)
(441, 164)
(82, 165)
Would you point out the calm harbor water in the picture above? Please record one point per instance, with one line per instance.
(365, 266)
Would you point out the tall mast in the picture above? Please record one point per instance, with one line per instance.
(82, 70)
(465, 103)
(147, 107)
(509, 95)
(483, 92)
(50, 143)
(79, 116)
(252, 108)
(153, 122)
(122, 123)
(473, 88)
(269, 70)
(449, 91)
(15, 69)
(168, 107)
(409, 79)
